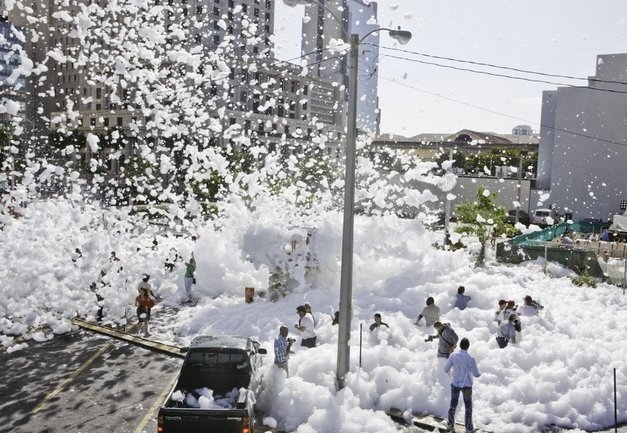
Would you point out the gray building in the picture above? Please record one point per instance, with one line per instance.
(582, 154)
(259, 100)
(337, 20)
(12, 83)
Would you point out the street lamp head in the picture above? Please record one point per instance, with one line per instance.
(402, 36)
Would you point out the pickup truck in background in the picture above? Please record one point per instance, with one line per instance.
(216, 387)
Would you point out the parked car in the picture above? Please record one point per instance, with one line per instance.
(523, 217)
(544, 217)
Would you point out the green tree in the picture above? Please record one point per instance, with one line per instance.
(484, 219)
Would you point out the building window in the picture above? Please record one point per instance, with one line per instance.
(256, 12)
(119, 121)
(216, 11)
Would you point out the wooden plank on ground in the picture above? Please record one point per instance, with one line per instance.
(134, 339)
(426, 422)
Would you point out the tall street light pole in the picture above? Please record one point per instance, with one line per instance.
(346, 272)
(346, 276)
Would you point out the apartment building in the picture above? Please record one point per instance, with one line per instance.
(12, 84)
(261, 100)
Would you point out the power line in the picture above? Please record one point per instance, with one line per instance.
(525, 71)
(578, 134)
(499, 75)
(511, 77)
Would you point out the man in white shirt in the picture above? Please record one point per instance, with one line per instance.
(529, 308)
(464, 369)
(431, 313)
(305, 326)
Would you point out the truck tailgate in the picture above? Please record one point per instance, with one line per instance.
(179, 420)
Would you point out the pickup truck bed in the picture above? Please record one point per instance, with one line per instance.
(215, 390)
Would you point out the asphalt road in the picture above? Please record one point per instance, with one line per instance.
(81, 382)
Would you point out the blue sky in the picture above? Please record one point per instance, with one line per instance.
(561, 37)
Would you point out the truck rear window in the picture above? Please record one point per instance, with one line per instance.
(235, 360)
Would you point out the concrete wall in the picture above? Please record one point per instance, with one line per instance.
(465, 190)
(507, 191)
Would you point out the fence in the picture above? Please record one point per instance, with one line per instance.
(582, 257)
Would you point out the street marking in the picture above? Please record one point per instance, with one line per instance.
(150, 414)
(73, 376)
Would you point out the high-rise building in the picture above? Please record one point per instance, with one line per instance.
(583, 145)
(259, 99)
(12, 83)
(326, 25)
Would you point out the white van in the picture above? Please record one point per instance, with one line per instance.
(540, 217)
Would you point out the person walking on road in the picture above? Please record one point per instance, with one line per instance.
(144, 303)
(282, 349)
(464, 369)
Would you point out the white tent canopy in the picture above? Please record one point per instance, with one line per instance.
(619, 223)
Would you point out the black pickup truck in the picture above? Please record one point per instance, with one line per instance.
(216, 387)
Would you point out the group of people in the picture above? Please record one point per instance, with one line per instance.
(145, 300)
(507, 318)
(306, 326)
(459, 364)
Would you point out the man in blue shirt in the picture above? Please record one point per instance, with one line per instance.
(461, 301)
(464, 369)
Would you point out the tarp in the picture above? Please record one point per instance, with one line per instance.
(619, 223)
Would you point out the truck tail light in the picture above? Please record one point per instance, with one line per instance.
(160, 424)
(245, 425)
